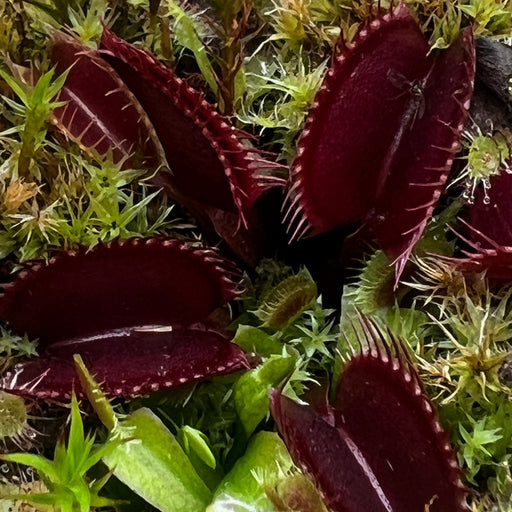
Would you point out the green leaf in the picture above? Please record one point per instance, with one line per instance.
(45, 467)
(186, 35)
(477, 440)
(154, 457)
(15, 86)
(95, 395)
(46, 499)
(101, 452)
(76, 445)
(59, 455)
(265, 461)
(252, 339)
(81, 495)
(193, 440)
(252, 389)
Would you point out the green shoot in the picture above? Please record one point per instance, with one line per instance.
(475, 442)
(278, 95)
(12, 345)
(490, 16)
(447, 26)
(34, 112)
(187, 32)
(95, 395)
(89, 25)
(86, 203)
(69, 488)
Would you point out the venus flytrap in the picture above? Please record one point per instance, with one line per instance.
(287, 301)
(291, 317)
(281, 78)
(459, 330)
(373, 290)
(14, 427)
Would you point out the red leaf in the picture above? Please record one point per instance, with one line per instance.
(101, 113)
(425, 155)
(351, 125)
(329, 455)
(123, 284)
(397, 430)
(488, 231)
(128, 308)
(381, 135)
(497, 262)
(208, 161)
(129, 362)
(215, 174)
(485, 254)
(493, 217)
(386, 450)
